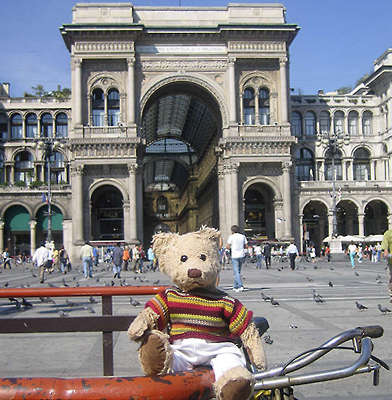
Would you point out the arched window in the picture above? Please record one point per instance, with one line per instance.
(31, 126)
(338, 122)
(248, 100)
(310, 123)
(353, 123)
(2, 170)
(325, 122)
(296, 124)
(98, 107)
(264, 106)
(361, 164)
(304, 165)
(329, 172)
(162, 206)
(61, 125)
(3, 126)
(113, 107)
(367, 121)
(47, 125)
(57, 168)
(16, 126)
(24, 168)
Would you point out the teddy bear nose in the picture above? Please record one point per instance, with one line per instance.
(194, 273)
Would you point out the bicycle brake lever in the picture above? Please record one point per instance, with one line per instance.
(381, 362)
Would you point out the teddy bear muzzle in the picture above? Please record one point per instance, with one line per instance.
(194, 273)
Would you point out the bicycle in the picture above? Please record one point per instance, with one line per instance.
(277, 384)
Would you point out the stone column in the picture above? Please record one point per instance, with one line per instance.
(228, 198)
(77, 91)
(132, 170)
(222, 206)
(33, 236)
(372, 171)
(286, 167)
(77, 204)
(232, 86)
(283, 89)
(361, 226)
(330, 223)
(139, 203)
(1, 236)
(131, 90)
(301, 230)
(234, 194)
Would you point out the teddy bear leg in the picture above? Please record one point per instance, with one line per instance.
(155, 353)
(234, 384)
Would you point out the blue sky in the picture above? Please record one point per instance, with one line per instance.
(337, 44)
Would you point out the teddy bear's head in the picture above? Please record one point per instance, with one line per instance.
(190, 260)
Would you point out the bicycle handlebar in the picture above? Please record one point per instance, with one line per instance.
(277, 374)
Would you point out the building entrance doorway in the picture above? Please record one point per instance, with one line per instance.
(181, 124)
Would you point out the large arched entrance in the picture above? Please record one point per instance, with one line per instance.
(314, 224)
(259, 214)
(17, 230)
(56, 226)
(107, 215)
(376, 218)
(347, 218)
(181, 124)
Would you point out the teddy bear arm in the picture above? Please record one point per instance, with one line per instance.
(252, 341)
(145, 321)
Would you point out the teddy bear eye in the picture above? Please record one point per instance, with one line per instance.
(184, 258)
(203, 257)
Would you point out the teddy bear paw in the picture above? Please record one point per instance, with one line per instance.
(155, 354)
(235, 384)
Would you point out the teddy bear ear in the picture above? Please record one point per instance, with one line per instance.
(161, 241)
(210, 234)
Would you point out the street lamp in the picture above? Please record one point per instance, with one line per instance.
(333, 141)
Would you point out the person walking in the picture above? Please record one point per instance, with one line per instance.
(87, 257)
(267, 255)
(259, 255)
(96, 257)
(117, 259)
(328, 253)
(126, 258)
(6, 259)
(151, 259)
(292, 253)
(386, 245)
(352, 251)
(237, 243)
(64, 260)
(313, 254)
(40, 259)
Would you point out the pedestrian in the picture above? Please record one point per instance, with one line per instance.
(135, 258)
(292, 253)
(386, 245)
(378, 249)
(64, 260)
(352, 251)
(6, 259)
(141, 258)
(151, 258)
(126, 258)
(96, 257)
(328, 253)
(40, 259)
(56, 260)
(117, 259)
(360, 254)
(237, 243)
(87, 257)
(259, 255)
(313, 254)
(267, 255)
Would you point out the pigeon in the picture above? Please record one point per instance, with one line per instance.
(15, 301)
(330, 284)
(309, 279)
(360, 306)
(156, 282)
(135, 303)
(332, 268)
(69, 303)
(274, 302)
(268, 339)
(293, 326)
(6, 284)
(63, 314)
(382, 309)
(317, 298)
(97, 279)
(112, 283)
(33, 274)
(90, 310)
(26, 303)
(92, 300)
(51, 284)
(356, 273)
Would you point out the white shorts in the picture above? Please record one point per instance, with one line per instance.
(188, 353)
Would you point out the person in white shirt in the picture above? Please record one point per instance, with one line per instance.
(40, 258)
(352, 251)
(237, 243)
(292, 253)
(259, 256)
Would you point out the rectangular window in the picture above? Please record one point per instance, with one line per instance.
(98, 117)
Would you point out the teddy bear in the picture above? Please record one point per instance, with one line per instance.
(195, 323)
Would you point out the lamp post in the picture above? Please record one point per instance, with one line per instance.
(333, 141)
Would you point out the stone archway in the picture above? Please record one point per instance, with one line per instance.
(375, 218)
(181, 125)
(314, 224)
(347, 218)
(16, 236)
(107, 215)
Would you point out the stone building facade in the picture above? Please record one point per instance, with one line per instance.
(182, 116)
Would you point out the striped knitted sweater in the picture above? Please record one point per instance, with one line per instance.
(200, 314)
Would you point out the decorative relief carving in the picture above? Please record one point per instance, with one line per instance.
(183, 65)
(255, 146)
(103, 150)
(77, 170)
(252, 46)
(133, 168)
(100, 47)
